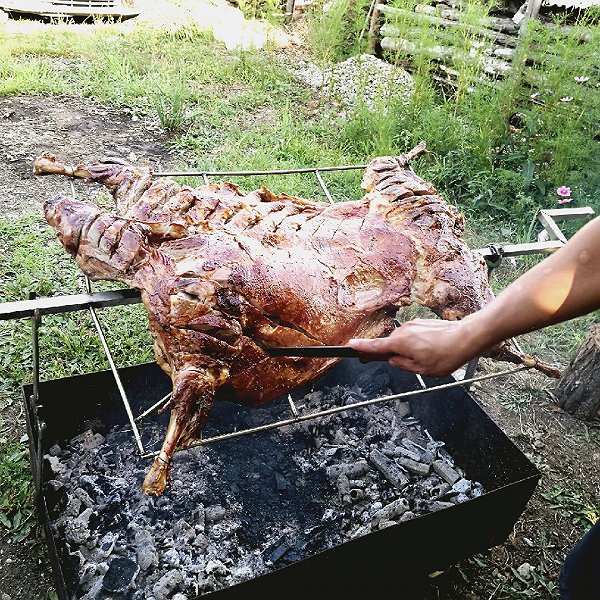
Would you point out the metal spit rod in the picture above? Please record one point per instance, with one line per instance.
(340, 409)
(252, 173)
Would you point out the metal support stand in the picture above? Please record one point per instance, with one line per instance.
(34, 399)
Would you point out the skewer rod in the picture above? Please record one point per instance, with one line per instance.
(323, 186)
(339, 409)
(250, 173)
(116, 376)
(153, 407)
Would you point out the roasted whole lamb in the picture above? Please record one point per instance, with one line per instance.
(224, 275)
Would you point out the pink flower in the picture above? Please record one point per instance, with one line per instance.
(567, 99)
(563, 191)
(564, 200)
(582, 79)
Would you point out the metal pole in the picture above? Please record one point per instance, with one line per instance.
(250, 173)
(115, 373)
(340, 409)
(323, 186)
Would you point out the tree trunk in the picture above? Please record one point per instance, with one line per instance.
(578, 390)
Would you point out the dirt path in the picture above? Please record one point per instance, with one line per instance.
(76, 130)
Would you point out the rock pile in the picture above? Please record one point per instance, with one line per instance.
(364, 78)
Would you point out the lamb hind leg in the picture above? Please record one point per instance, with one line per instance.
(127, 183)
(190, 407)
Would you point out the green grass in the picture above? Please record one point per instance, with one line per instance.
(572, 503)
(34, 261)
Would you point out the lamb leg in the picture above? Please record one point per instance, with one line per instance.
(104, 246)
(127, 183)
(193, 393)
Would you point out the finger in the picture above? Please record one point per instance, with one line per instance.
(368, 346)
(401, 362)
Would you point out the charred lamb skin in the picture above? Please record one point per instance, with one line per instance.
(224, 275)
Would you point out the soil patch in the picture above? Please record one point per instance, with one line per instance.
(76, 130)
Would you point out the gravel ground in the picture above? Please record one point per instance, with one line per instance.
(364, 78)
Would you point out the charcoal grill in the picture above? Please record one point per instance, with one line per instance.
(382, 561)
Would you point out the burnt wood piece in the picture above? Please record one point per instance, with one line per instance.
(578, 390)
(225, 275)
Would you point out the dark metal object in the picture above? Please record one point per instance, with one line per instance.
(64, 304)
(315, 351)
(404, 552)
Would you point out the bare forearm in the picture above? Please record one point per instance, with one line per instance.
(565, 285)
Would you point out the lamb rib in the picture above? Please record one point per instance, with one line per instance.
(225, 275)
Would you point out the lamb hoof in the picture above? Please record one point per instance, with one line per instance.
(157, 478)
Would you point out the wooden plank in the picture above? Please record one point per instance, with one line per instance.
(551, 227)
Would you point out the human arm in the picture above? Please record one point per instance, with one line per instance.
(563, 286)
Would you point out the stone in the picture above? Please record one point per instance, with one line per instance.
(402, 408)
(525, 570)
(78, 530)
(171, 558)
(389, 470)
(439, 505)
(107, 543)
(462, 486)
(445, 471)
(163, 588)
(201, 541)
(215, 513)
(404, 452)
(121, 573)
(390, 511)
(55, 464)
(216, 567)
(146, 553)
(184, 531)
(413, 466)
(351, 470)
(281, 482)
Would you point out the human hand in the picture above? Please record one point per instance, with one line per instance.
(427, 346)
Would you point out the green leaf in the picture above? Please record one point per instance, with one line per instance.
(17, 520)
(528, 170)
(5, 521)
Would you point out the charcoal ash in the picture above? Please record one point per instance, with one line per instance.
(240, 509)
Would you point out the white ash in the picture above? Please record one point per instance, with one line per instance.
(239, 509)
(364, 78)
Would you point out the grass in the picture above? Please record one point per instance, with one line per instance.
(34, 261)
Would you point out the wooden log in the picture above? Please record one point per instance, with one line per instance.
(449, 16)
(453, 26)
(490, 65)
(578, 390)
(416, 33)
